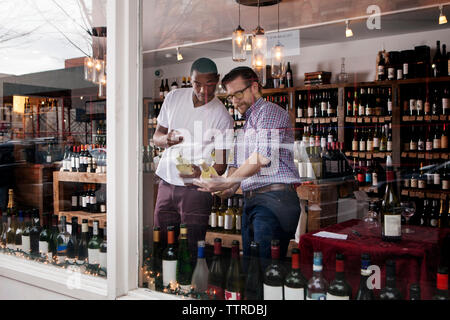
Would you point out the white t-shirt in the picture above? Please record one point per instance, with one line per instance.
(203, 128)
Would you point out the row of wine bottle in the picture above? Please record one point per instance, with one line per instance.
(369, 102)
(372, 139)
(317, 104)
(417, 101)
(428, 138)
(90, 159)
(170, 269)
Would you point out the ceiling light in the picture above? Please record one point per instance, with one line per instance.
(259, 46)
(179, 55)
(442, 17)
(348, 31)
(239, 41)
(278, 66)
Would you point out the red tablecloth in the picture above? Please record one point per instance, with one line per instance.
(417, 255)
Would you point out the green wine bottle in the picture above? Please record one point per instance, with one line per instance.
(274, 275)
(339, 288)
(216, 278)
(254, 283)
(390, 208)
(184, 266)
(44, 237)
(390, 291)
(295, 283)
(234, 287)
(83, 243)
(169, 259)
(94, 247)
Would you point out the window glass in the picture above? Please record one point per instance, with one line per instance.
(53, 132)
(336, 122)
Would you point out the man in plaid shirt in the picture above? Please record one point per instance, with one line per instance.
(263, 167)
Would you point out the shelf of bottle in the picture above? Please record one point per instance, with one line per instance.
(428, 118)
(369, 119)
(227, 238)
(368, 155)
(425, 193)
(81, 177)
(426, 155)
(399, 82)
(100, 217)
(368, 189)
(317, 120)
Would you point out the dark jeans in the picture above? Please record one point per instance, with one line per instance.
(183, 205)
(269, 216)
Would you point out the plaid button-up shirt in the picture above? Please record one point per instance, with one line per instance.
(267, 131)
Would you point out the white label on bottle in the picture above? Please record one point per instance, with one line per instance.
(436, 143)
(74, 201)
(419, 106)
(169, 272)
(369, 145)
(232, 295)
(412, 104)
(376, 142)
(374, 179)
(94, 256)
(444, 104)
(333, 297)
(77, 162)
(103, 260)
(361, 110)
(273, 293)
(294, 293)
(220, 221)
(354, 145)
(323, 143)
(49, 159)
(405, 68)
(84, 201)
(389, 106)
(228, 222)
(72, 162)
(213, 220)
(392, 225)
(422, 184)
(407, 183)
(26, 244)
(413, 183)
(103, 208)
(391, 73)
(429, 145)
(444, 184)
(238, 223)
(43, 248)
(310, 112)
(412, 146)
(399, 74)
(362, 146)
(380, 69)
(436, 179)
(93, 200)
(389, 146)
(310, 171)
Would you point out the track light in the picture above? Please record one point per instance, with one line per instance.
(442, 17)
(179, 55)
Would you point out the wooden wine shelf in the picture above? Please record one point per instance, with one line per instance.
(426, 118)
(91, 217)
(369, 119)
(368, 155)
(227, 238)
(426, 155)
(80, 177)
(369, 189)
(426, 193)
(317, 120)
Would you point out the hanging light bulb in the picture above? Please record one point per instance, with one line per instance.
(278, 65)
(248, 43)
(348, 31)
(88, 68)
(259, 50)
(99, 70)
(239, 41)
(442, 17)
(179, 55)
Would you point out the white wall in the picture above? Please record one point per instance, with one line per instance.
(360, 58)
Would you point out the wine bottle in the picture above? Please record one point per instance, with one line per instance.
(390, 208)
(289, 76)
(5, 229)
(414, 292)
(44, 237)
(62, 240)
(317, 285)
(169, 259)
(11, 233)
(216, 277)
(184, 266)
(390, 291)
(104, 251)
(295, 283)
(94, 247)
(52, 239)
(155, 271)
(212, 226)
(364, 292)
(254, 283)
(339, 288)
(274, 275)
(83, 243)
(229, 219)
(19, 231)
(441, 284)
(234, 286)
(200, 276)
(381, 70)
(35, 231)
(72, 244)
(437, 61)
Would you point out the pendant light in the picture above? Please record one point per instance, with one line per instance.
(348, 31)
(442, 17)
(239, 41)
(278, 65)
(259, 49)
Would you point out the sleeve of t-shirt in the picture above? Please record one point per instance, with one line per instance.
(163, 118)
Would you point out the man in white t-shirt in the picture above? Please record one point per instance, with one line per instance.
(193, 125)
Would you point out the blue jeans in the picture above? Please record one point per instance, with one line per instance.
(269, 216)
